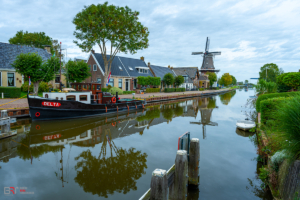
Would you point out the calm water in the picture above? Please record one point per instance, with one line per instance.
(113, 158)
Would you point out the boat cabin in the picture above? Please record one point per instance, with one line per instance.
(83, 87)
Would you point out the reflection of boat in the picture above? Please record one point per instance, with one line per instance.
(245, 125)
(244, 133)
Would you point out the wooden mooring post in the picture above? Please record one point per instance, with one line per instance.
(159, 185)
(194, 159)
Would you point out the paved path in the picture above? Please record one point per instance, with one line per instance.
(20, 103)
(162, 94)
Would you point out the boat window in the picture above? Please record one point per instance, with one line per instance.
(56, 98)
(84, 87)
(79, 87)
(61, 98)
(71, 97)
(98, 87)
(93, 87)
(89, 87)
(46, 96)
(83, 98)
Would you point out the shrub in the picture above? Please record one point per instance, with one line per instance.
(277, 159)
(269, 106)
(113, 90)
(174, 89)
(104, 89)
(10, 92)
(43, 87)
(288, 118)
(128, 92)
(150, 90)
(201, 89)
(24, 87)
(274, 95)
(56, 90)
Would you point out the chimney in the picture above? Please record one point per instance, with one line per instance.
(142, 58)
(169, 66)
(149, 64)
(93, 51)
(47, 48)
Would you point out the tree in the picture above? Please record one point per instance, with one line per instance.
(233, 80)
(77, 71)
(168, 79)
(246, 81)
(212, 77)
(36, 39)
(292, 79)
(178, 80)
(226, 79)
(281, 86)
(269, 72)
(142, 80)
(31, 64)
(155, 81)
(114, 29)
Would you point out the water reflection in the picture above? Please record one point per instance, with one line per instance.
(244, 133)
(225, 98)
(206, 106)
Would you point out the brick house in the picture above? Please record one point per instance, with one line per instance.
(124, 71)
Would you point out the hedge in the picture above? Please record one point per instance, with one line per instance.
(151, 90)
(10, 92)
(128, 92)
(273, 95)
(269, 106)
(174, 89)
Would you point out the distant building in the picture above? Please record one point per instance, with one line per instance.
(190, 75)
(160, 72)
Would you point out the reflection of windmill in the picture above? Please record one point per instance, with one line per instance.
(111, 145)
(205, 116)
(208, 62)
(61, 169)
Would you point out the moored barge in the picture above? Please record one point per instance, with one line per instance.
(88, 100)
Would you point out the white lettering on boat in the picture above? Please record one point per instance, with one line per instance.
(51, 137)
(51, 104)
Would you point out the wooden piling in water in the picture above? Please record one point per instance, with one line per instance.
(159, 185)
(181, 176)
(194, 157)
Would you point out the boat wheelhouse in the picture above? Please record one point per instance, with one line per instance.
(87, 100)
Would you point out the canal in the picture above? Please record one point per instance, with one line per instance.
(113, 157)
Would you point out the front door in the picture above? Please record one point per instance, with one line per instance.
(127, 85)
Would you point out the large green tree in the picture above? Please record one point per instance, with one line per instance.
(32, 64)
(292, 79)
(226, 79)
(269, 72)
(77, 71)
(212, 77)
(168, 79)
(178, 80)
(234, 81)
(114, 29)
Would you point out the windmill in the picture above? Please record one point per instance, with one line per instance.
(208, 62)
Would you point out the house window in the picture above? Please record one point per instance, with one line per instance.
(95, 67)
(111, 82)
(145, 71)
(98, 80)
(71, 97)
(134, 83)
(120, 68)
(120, 83)
(83, 98)
(57, 79)
(130, 68)
(90, 68)
(140, 70)
(10, 79)
(186, 79)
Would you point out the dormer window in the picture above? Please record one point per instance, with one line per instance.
(142, 70)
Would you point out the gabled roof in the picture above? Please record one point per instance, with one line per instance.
(122, 66)
(186, 71)
(160, 71)
(9, 52)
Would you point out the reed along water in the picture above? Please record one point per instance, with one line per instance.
(114, 157)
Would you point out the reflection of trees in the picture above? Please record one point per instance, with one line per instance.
(225, 98)
(104, 176)
(167, 112)
(178, 110)
(211, 103)
(150, 114)
(25, 152)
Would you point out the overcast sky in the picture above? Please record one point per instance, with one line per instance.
(249, 33)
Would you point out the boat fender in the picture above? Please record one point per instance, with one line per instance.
(113, 100)
(37, 114)
(37, 127)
